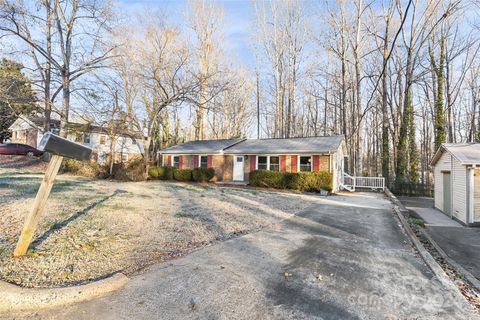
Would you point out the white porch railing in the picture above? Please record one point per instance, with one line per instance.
(350, 183)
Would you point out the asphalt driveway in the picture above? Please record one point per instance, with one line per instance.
(343, 258)
(460, 243)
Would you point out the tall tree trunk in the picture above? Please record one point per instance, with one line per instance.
(439, 113)
(385, 122)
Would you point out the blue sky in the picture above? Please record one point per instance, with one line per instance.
(238, 18)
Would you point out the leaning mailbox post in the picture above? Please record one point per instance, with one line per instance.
(59, 147)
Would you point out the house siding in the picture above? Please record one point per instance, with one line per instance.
(25, 132)
(459, 190)
(458, 174)
(335, 165)
(443, 164)
(475, 213)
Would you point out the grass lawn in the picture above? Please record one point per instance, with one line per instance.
(93, 228)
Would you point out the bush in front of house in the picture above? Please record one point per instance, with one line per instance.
(267, 179)
(90, 169)
(301, 181)
(132, 170)
(166, 173)
(153, 172)
(161, 173)
(182, 174)
(312, 181)
(203, 174)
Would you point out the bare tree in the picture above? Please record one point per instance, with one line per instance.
(74, 31)
(205, 19)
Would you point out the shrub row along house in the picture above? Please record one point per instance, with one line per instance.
(234, 159)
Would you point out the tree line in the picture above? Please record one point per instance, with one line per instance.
(396, 78)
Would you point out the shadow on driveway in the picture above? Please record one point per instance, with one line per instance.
(343, 258)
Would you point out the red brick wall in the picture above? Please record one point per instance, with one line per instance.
(283, 163)
(294, 163)
(316, 161)
(324, 163)
(195, 161)
(253, 162)
(209, 161)
(180, 162)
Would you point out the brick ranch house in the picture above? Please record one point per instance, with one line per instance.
(234, 159)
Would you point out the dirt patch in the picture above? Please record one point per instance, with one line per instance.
(93, 228)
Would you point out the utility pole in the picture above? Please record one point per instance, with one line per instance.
(258, 105)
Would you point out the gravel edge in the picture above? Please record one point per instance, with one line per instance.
(440, 274)
(468, 276)
(15, 298)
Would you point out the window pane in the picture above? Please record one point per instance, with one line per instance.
(176, 161)
(274, 163)
(305, 163)
(203, 162)
(262, 163)
(86, 138)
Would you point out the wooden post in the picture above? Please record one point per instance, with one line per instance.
(40, 200)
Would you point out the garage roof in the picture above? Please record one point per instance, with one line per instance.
(466, 153)
(325, 144)
(201, 146)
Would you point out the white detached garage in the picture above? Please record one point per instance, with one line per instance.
(457, 182)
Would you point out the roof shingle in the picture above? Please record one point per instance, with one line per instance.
(290, 145)
(201, 146)
(466, 153)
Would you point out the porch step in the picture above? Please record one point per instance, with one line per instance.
(231, 183)
(347, 187)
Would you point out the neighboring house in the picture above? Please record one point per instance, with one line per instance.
(28, 130)
(234, 159)
(457, 182)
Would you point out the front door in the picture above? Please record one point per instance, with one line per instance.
(238, 168)
(447, 194)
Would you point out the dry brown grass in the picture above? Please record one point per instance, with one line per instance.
(92, 228)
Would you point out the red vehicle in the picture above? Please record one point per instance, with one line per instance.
(19, 149)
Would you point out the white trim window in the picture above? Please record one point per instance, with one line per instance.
(271, 163)
(262, 162)
(87, 138)
(103, 139)
(176, 161)
(124, 157)
(305, 163)
(203, 161)
(274, 163)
